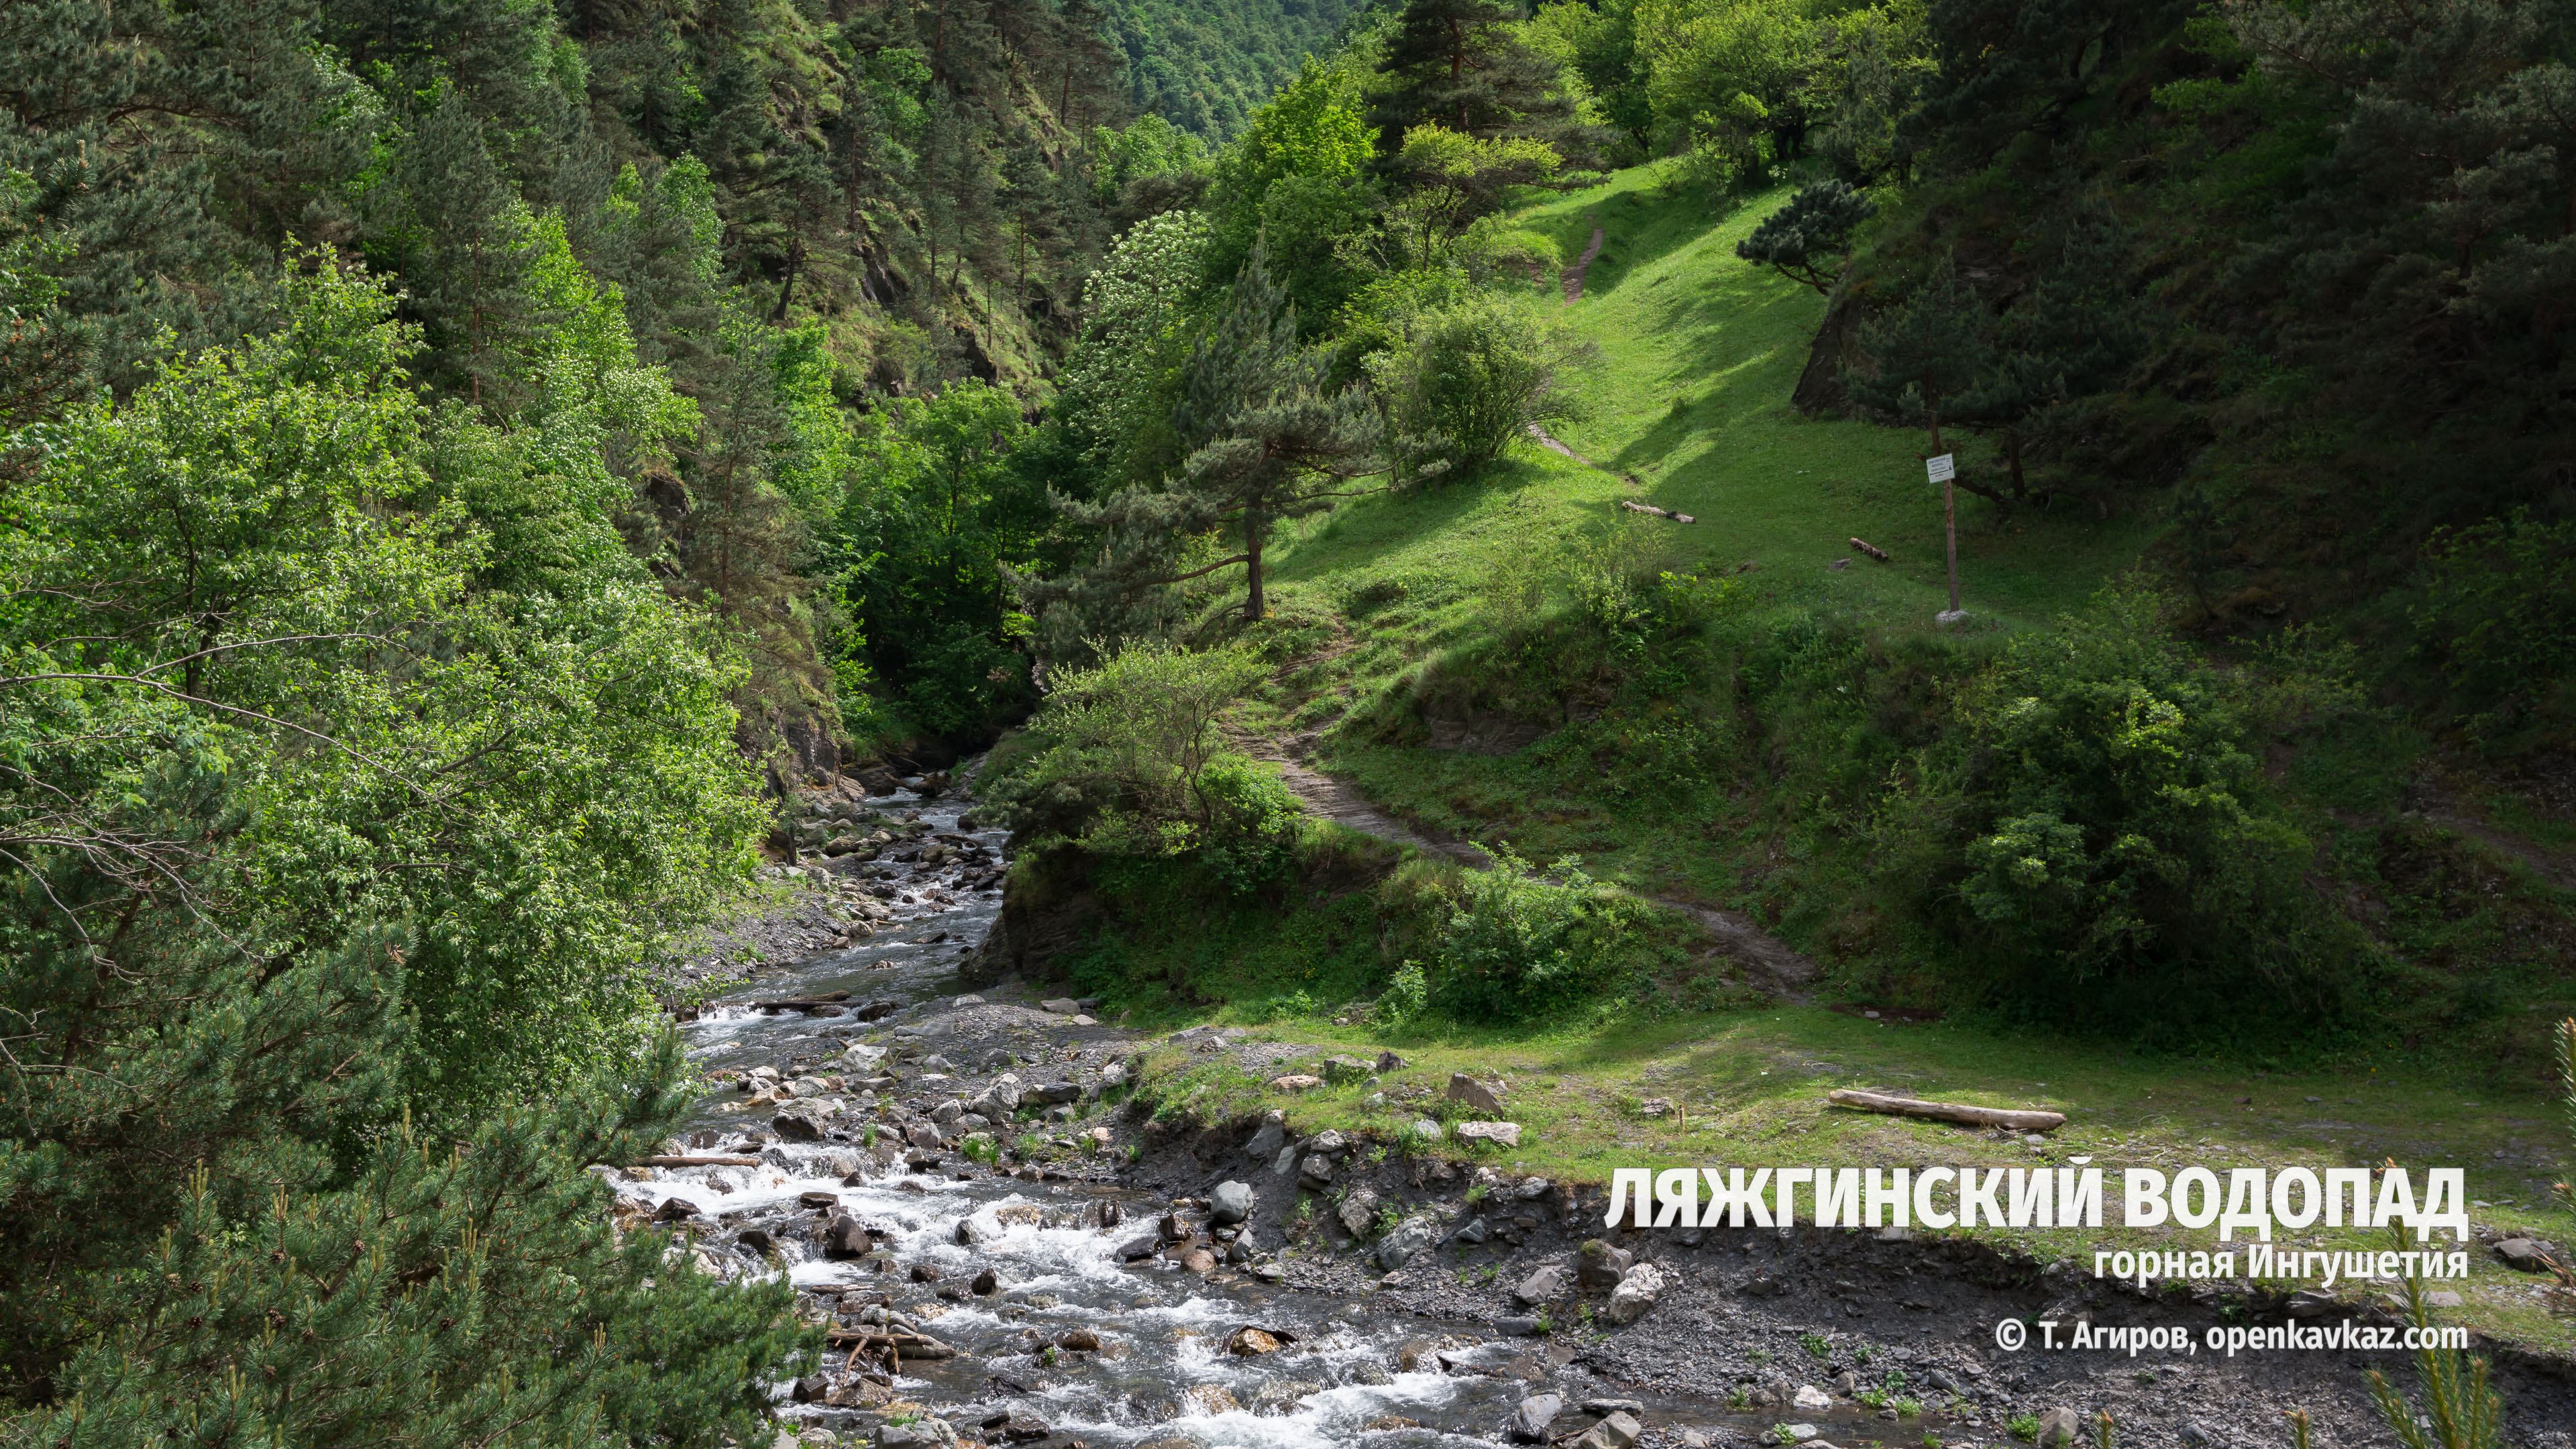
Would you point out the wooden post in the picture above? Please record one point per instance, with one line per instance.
(1949, 508)
(1950, 525)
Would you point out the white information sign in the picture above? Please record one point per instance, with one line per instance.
(1940, 468)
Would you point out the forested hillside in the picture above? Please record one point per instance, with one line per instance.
(465, 468)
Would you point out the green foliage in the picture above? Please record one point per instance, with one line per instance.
(393, 824)
(1727, 81)
(2118, 845)
(2493, 615)
(937, 513)
(1127, 762)
(1805, 237)
(1469, 381)
(2458, 1410)
(1512, 945)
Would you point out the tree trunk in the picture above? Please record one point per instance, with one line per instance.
(1254, 525)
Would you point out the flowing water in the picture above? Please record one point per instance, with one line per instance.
(1162, 1370)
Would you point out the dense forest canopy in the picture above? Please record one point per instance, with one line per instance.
(462, 465)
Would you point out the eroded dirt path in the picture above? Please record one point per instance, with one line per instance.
(1781, 965)
(1572, 276)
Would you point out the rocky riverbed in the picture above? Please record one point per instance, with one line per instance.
(1010, 1243)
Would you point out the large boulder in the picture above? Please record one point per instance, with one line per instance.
(1265, 1144)
(799, 1122)
(1635, 1294)
(846, 1237)
(1231, 1203)
(1546, 1285)
(1528, 1423)
(1408, 1238)
(1357, 1211)
(1342, 1070)
(1600, 1265)
(1482, 1096)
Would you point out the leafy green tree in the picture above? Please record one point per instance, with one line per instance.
(1599, 43)
(325, 855)
(2076, 336)
(1805, 238)
(1729, 81)
(937, 512)
(2117, 847)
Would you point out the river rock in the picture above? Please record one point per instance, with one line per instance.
(1358, 1211)
(1079, 1340)
(1231, 1203)
(1476, 1094)
(1515, 1326)
(2059, 1429)
(799, 1122)
(1473, 1233)
(1051, 1094)
(1808, 1396)
(1285, 1163)
(1342, 1070)
(1528, 1423)
(1615, 1432)
(2523, 1255)
(1214, 1398)
(1545, 1285)
(1198, 1260)
(1407, 1239)
(1251, 1342)
(987, 1283)
(1599, 1265)
(1846, 1383)
(1143, 1245)
(1604, 1408)
(1635, 1294)
(1266, 1142)
(1061, 1006)
(1296, 1082)
(845, 1237)
(1499, 1134)
(1315, 1172)
(1426, 1130)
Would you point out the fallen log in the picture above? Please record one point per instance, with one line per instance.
(800, 1003)
(906, 1344)
(1873, 550)
(1948, 1111)
(699, 1162)
(1658, 512)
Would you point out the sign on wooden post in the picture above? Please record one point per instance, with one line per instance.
(1940, 468)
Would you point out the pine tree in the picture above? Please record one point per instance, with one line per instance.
(2077, 335)
(464, 245)
(1805, 237)
(1460, 64)
(1270, 440)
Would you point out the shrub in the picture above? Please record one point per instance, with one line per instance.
(2115, 845)
(1469, 380)
(2497, 599)
(1514, 945)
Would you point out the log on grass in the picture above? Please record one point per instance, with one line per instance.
(699, 1162)
(1948, 1111)
(1873, 550)
(1658, 512)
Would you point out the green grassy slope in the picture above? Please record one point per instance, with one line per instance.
(1401, 610)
